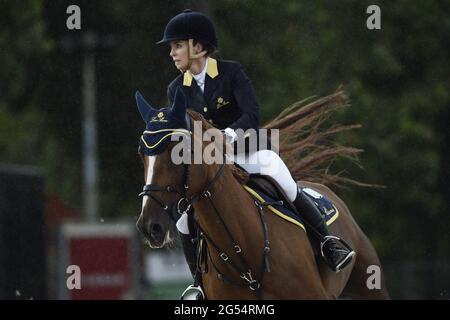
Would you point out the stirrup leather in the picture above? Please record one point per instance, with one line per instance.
(193, 288)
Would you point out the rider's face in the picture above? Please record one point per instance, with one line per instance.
(179, 53)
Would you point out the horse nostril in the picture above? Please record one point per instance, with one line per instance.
(155, 230)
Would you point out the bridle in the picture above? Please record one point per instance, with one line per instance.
(184, 204)
(177, 206)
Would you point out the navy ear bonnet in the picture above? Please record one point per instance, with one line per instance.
(161, 124)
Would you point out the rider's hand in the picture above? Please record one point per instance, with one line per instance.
(230, 135)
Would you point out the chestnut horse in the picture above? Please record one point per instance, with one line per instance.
(227, 214)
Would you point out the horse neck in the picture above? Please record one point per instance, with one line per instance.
(238, 212)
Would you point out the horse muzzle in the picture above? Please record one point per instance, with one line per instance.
(154, 232)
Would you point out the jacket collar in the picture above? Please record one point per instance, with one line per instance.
(212, 71)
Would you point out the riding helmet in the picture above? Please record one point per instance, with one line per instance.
(190, 25)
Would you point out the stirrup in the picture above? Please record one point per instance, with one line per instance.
(194, 295)
(344, 261)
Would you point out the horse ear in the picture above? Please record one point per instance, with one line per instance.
(179, 104)
(143, 106)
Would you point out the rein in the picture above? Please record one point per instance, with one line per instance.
(175, 208)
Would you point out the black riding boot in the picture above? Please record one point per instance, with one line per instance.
(190, 252)
(336, 255)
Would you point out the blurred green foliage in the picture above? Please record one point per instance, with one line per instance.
(398, 79)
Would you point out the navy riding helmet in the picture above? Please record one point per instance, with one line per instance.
(190, 25)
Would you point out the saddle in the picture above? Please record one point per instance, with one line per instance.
(266, 185)
(271, 188)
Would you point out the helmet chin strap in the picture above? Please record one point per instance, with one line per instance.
(192, 55)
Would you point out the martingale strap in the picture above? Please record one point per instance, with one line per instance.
(242, 268)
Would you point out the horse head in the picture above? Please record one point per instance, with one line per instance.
(160, 173)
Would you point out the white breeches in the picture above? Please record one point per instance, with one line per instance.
(268, 163)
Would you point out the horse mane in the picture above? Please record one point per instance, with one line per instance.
(240, 175)
(309, 145)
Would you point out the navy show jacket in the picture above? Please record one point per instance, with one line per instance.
(228, 99)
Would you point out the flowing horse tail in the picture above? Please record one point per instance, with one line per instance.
(308, 144)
